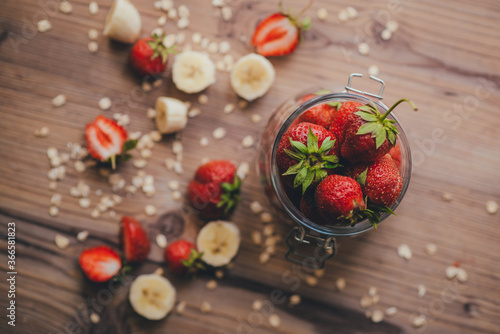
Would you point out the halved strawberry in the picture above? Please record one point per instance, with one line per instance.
(279, 34)
(100, 263)
(135, 241)
(105, 139)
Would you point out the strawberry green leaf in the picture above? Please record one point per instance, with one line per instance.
(294, 169)
(329, 165)
(295, 155)
(366, 116)
(312, 142)
(367, 128)
(300, 177)
(381, 136)
(306, 23)
(327, 145)
(307, 181)
(361, 179)
(129, 145)
(334, 104)
(331, 158)
(323, 91)
(320, 175)
(392, 137)
(298, 146)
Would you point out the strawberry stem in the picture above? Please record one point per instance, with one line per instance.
(113, 162)
(396, 104)
(304, 9)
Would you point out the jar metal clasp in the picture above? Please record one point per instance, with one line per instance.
(349, 87)
(324, 250)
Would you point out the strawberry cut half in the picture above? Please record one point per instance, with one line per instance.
(135, 241)
(100, 263)
(105, 139)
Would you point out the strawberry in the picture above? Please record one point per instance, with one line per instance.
(182, 256)
(279, 34)
(369, 135)
(307, 151)
(339, 199)
(339, 119)
(134, 240)
(215, 189)
(149, 56)
(106, 140)
(309, 209)
(395, 153)
(320, 114)
(381, 181)
(100, 263)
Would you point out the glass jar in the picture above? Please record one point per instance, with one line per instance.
(305, 231)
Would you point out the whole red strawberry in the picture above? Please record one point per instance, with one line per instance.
(369, 135)
(395, 153)
(279, 34)
(215, 188)
(106, 140)
(380, 181)
(181, 256)
(339, 119)
(149, 56)
(305, 154)
(321, 114)
(339, 199)
(309, 209)
(135, 241)
(100, 263)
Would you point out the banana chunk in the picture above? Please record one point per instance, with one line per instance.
(152, 296)
(193, 71)
(171, 115)
(123, 23)
(252, 76)
(219, 241)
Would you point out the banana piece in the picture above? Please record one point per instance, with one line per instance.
(171, 115)
(252, 76)
(123, 22)
(193, 71)
(219, 241)
(152, 296)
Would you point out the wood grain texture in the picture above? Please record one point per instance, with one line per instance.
(445, 57)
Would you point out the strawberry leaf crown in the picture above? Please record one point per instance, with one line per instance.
(313, 161)
(194, 262)
(123, 156)
(377, 124)
(303, 25)
(159, 49)
(231, 195)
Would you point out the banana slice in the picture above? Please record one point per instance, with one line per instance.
(171, 115)
(219, 241)
(123, 22)
(252, 76)
(193, 71)
(152, 296)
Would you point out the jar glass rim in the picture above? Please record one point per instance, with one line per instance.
(292, 210)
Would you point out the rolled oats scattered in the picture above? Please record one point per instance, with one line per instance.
(242, 104)
(377, 316)
(61, 241)
(53, 211)
(172, 13)
(340, 284)
(202, 99)
(319, 273)
(219, 133)
(228, 66)
(158, 31)
(248, 141)
(183, 23)
(179, 309)
(93, 34)
(294, 300)
(257, 238)
(162, 20)
(204, 42)
(211, 285)
(205, 307)
(166, 5)
(268, 230)
(227, 13)
(146, 153)
(149, 179)
(140, 163)
(219, 274)
(391, 311)
(256, 207)
(52, 185)
(44, 25)
(392, 26)
(151, 113)
(65, 7)
(157, 5)
(150, 210)
(373, 70)
(404, 252)
(352, 13)
(322, 14)
(155, 136)
(42, 132)
(372, 291)
(311, 280)
(213, 47)
(343, 15)
(431, 249)
(462, 275)
(447, 197)
(220, 65)
(195, 111)
(491, 207)
(59, 100)
(176, 195)
(366, 301)
(82, 236)
(196, 38)
(264, 257)
(93, 8)
(224, 47)
(274, 320)
(256, 118)
(204, 141)
(363, 49)
(94, 318)
(451, 272)
(93, 47)
(386, 34)
(161, 240)
(257, 305)
(243, 170)
(84, 202)
(56, 200)
(266, 217)
(375, 299)
(158, 82)
(217, 3)
(146, 87)
(183, 11)
(169, 40)
(421, 290)
(80, 166)
(419, 321)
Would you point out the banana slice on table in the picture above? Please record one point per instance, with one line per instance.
(123, 22)
(252, 76)
(193, 71)
(152, 296)
(219, 241)
(171, 115)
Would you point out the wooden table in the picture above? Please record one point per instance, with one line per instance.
(445, 57)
